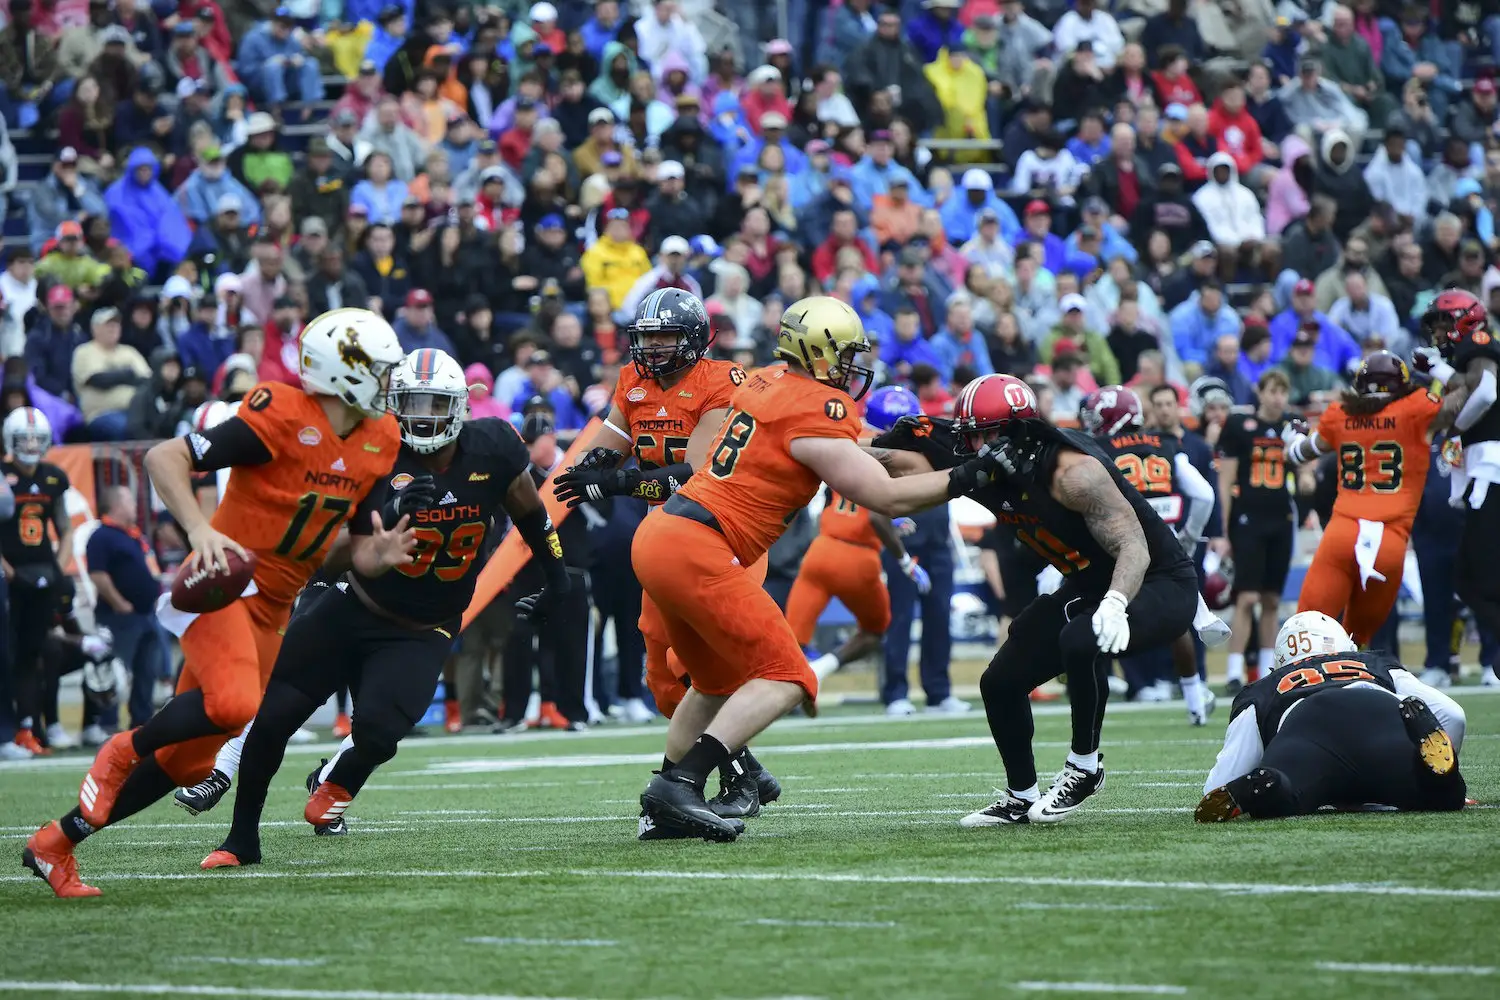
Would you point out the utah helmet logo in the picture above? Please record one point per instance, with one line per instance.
(1019, 395)
(350, 353)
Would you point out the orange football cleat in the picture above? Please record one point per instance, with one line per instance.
(342, 726)
(1038, 695)
(219, 859)
(453, 720)
(26, 740)
(49, 855)
(115, 762)
(550, 718)
(326, 804)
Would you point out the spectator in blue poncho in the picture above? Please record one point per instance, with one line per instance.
(960, 212)
(143, 216)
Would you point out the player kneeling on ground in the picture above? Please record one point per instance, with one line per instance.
(386, 634)
(1334, 727)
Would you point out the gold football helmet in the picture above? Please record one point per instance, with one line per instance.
(825, 337)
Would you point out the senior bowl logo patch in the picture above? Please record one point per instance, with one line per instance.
(310, 436)
(401, 481)
(637, 394)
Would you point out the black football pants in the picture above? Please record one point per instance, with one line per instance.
(560, 650)
(1055, 635)
(1474, 577)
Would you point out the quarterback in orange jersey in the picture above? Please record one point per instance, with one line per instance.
(302, 461)
(1382, 430)
(667, 405)
(844, 559)
(791, 428)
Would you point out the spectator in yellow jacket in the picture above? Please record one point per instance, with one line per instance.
(616, 261)
(962, 89)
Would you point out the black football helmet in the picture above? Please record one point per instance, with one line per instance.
(669, 310)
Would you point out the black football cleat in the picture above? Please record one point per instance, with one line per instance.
(1432, 742)
(739, 793)
(1073, 786)
(1218, 806)
(205, 794)
(648, 829)
(675, 802)
(767, 788)
(1007, 810)
(339, 827)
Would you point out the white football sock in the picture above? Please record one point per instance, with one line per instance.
(228, 759)
(1088, 761)
(1029, 794)
(25, 723)
(1235, 670)
(1265, 661)
(824, 665)
(348, 744)
(1192, 693)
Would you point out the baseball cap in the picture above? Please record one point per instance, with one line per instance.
(1095, 205)
(67, 155)
(1484, 85)
(104, 315)
(772, 119)
(346, 117)
(778, 47)
(551, 220)
(705, 246)
(543, 11)
(184, 28)
(418, 297)
(675, 244)
(978, 180)
(1202, 249)
(612, 158)
(317, 146)
(763, 74)
(670, 168)
(537, 358)
(357, 209)
(601, 115)
(1303, 287)
(205, 13)
(68, 229)
(1305, 336)
(881, 135)
(1176, 112)
(1068, 303)
(619, 213)
(230, 202)
(988, 214)
(59, 294)
(815, 147)
(114, 35)
(535, 425)
(282, 14)
(368, 68)
(1167, 169)
(260, 123)
(314, 225)
(1037, 206)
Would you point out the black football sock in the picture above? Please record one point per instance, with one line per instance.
(707, 755)
(282, 710)
(147, 785)
(748, 762)
(667, 763)
(75, 827)
(181, 719)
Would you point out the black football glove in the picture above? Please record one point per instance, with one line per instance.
(579, 485)
(1002, 462)
(419, 494)
(598, 458)
(536, 608)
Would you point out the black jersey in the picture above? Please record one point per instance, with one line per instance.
(26, 539)
(1260, 481)
(1479, 345)
(438, 584)
(1272, 696)
(1052, 531)
(1148, 462)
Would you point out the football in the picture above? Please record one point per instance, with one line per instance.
(195, 592)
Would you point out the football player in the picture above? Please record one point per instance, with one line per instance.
(1177, 491)
(667, 405)
(386, 634)
(1455, 324)
(303, 459)
(843, 561)
(1330, 726)
(34, 543)
(1127, 585)
(792, 427)
(1382, 430)
(1262, 518)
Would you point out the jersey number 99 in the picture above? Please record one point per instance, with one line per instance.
(461, 546)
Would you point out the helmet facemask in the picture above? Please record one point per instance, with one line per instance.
(430, 420)
(661, 349)
(27, 446)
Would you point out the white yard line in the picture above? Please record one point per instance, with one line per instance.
(856, 878)
(1160, 990)
(853, 924)
(276, 963)
(543, 942)
(1079, 906)
(1399, 969)
(270, 993)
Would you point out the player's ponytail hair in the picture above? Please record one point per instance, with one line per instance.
(1357, 405)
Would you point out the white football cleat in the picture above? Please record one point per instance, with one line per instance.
(900, 707)
(303, 735)
(1487, 677)
(14, 751)
(1436, 677)
(59, 738)
(95, 735)
(634, 710)
(951, 705)
(1209, 701)
(1008, 810)
(1069, 791)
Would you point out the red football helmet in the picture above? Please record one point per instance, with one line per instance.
(1218, 586)
(1382, 375)
(1454, 316)
(992, 403)
(1110, 410)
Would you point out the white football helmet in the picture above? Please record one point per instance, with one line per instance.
(430, 397)
(28, 434)
(348, 354)
(1310, 633)
(211, 414)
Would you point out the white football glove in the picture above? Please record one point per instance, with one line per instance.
(96, 647)
(1112, 623)
(1049, 580)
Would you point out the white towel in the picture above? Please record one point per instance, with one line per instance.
(1366, 550)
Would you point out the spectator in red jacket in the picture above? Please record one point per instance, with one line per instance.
(844, 233)
(1238, 134)
(1195, 147)
(764, 95)
(1171, 81)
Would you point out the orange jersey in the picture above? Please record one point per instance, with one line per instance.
(753, 485)
(848, 522)
(660, 421)
(1382, 458)
(288, 511)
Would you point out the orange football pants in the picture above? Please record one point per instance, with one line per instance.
(722, 626)
(229, 655)
(833, 567)
(666, 677)
(1332, 582)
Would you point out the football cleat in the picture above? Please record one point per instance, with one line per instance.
(1488, 678)
(337, 828)
(739, 795)
(900, 707)
(327, 804)
(1067, 793)
(1433, 744)
(1233, 686)
(114, 763)
(1007, 810)
(59, 738)
(1436, 677)
(549, 717)
(767, 788)
(342, 726)
(26, 740)
(94, 736)
(1209, 701)
(453, 720)
(951, 705)
(49, 856)
(205, 794)
(220, 859)
(673, 801)
(14, 752)
(634, 711)
(649, 829)
(1218, 806)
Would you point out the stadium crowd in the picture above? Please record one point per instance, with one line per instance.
(1077, 193)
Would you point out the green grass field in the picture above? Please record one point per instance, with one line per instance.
(484, 867)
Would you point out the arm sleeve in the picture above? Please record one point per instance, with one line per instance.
(7, 500)
(1449, 713)
(1198, 493)
(1478, 403)
(1242, 750)
(234, 442)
